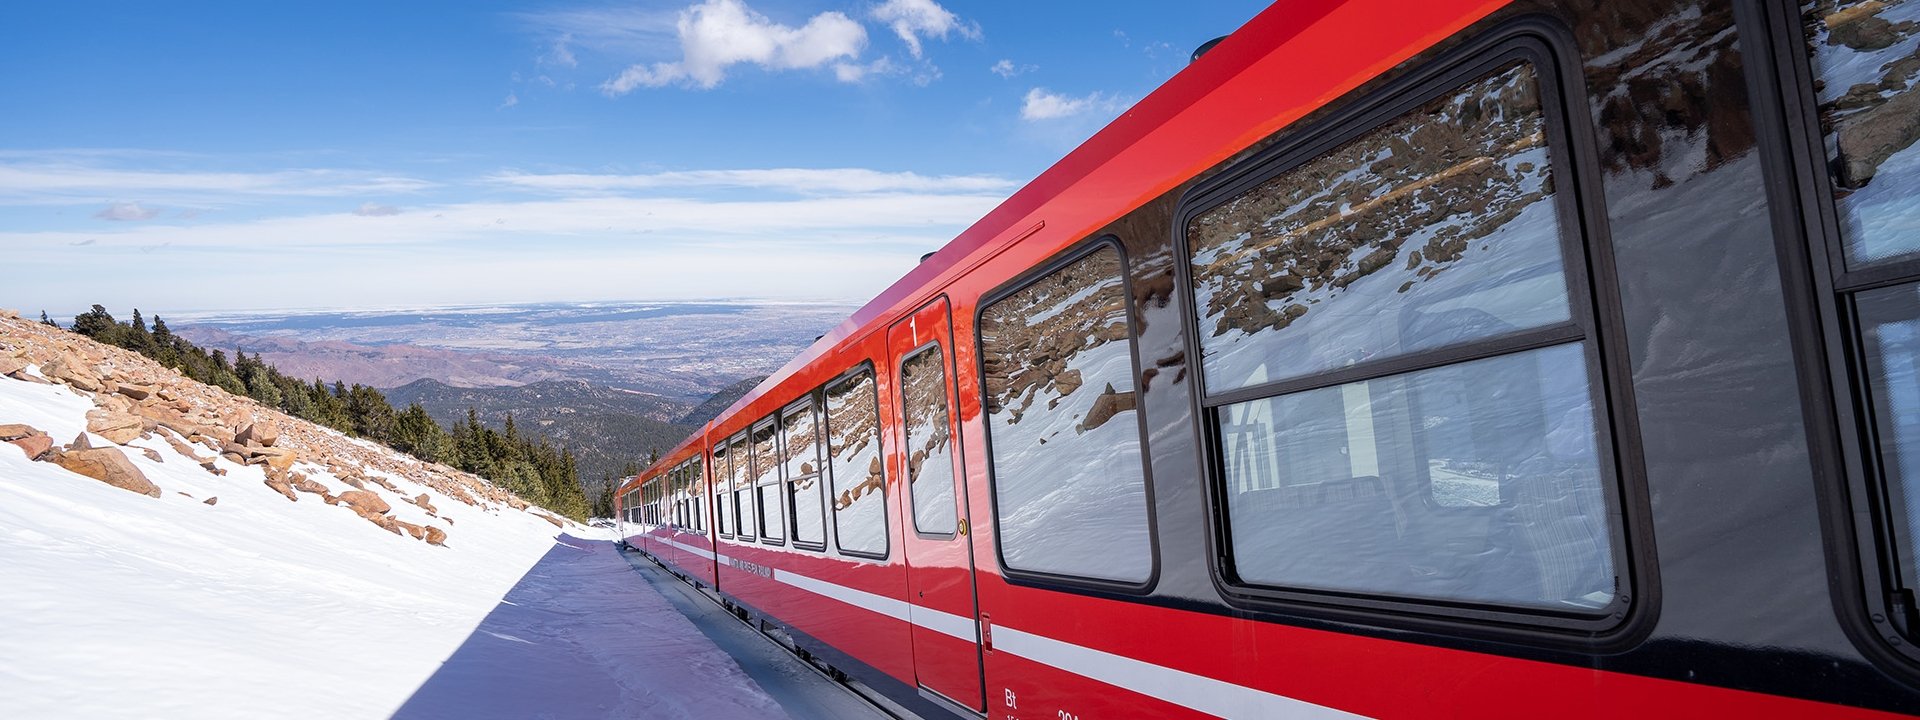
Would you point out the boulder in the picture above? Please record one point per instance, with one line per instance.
(215, 500)
(36, 446)
(152, 454)
(418, 533)
(24, 376)
(557, 522)
(436, 536)
(424, 504)
(365, 500)
(280, 485)
(16, 430)
(109, 466)
(11, 365)
(260, 434)
(118, 427)
(280, 459)
(137, 392)
(114, 403)
(306, 484)
(80, 442)
(70, 369)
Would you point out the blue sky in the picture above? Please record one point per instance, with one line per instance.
(253, 156)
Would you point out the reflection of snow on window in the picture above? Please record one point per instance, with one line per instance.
(853, 449)
(1063, 425)
(923, 381)
(1866, 58)
(1374, 249)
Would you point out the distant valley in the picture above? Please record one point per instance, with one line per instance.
(606, 428)
(684, 350)
(610, 381)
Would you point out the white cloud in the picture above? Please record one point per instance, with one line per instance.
(1041, 104)
(561, 54)
(914, 20)
(848, 72)
(512, 100)
(373, 209)
(717, 34)
(616, 30)
(803, 181)
(76, 179)
(1006, 69)
(714, 227)
(127, 211)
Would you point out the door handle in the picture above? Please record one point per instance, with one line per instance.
(963, 526)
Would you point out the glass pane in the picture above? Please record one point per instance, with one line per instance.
(1064, 431)
(722, 473)
(1477, 482)
(742, 475)
(766, 482)
(1435, 229)
(1866, 65)
(1890, 320)
(923, 381)
(800, 440)
(859, 485)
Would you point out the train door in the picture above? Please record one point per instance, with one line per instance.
(940, 590)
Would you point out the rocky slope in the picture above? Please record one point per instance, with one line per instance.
(145, 410)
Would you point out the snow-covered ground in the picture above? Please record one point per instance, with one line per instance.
(118, 605)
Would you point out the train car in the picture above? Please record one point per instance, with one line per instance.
(1464, 358)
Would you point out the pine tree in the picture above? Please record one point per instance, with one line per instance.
(97, 324)
(44, 320)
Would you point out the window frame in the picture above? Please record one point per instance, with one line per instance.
(721, 496)
(1821, 289)
(879, 433)
(806, 403)
(950, 392)
(742, 529)
(772, 422)
(1594, 322)
(1039, 272)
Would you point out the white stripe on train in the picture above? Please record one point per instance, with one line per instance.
(1197, 692)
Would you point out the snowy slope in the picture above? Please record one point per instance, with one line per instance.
(114, 604)
(120, 605)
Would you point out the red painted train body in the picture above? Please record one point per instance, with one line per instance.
(1460, 358)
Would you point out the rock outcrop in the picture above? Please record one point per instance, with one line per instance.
(110, 466)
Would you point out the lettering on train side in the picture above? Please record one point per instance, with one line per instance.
(755, 568)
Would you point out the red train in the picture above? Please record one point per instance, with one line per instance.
(1458, 358)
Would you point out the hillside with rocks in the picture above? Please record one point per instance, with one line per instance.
(202, 555)
(142, 412)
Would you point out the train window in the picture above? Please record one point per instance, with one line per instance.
(1867, 77)
(722, 492)
(923, 388)
(1401, 400)
(800, 465)
(740, 477)
(853, 449)
(697, 480)
(766, 482)
(1866, 69)
(1070, 493)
